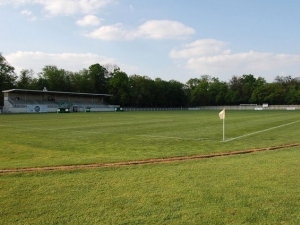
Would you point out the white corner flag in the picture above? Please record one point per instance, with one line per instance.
(222, 117)
(222, 114)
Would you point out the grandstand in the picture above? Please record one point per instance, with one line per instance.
(35, 101)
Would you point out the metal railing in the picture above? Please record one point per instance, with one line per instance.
(248, 107)
(154, 109)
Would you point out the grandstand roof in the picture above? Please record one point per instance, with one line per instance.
(54, 92)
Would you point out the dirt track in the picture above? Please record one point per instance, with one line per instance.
(142, 162)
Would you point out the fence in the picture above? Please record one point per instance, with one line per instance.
(248, 107)
(154, 109)
(232, 107)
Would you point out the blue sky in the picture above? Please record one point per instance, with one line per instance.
(169, 39)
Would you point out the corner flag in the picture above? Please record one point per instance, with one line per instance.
(222, 117)
(222, 114)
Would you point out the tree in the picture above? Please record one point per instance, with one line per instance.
(248, 86)
(241, 89)
(217, 92)
(7, 77)
(175, 94)
(141, 91)
(119, 87)
(235, 94)
(98, 77)
(160, 98)
(80, 81)
(293, 96)
(25, 79)
(291, 88)
(199, 93)
(257, 96)
(192, 83)
(274, 94)
(189, 87)
(56, 79)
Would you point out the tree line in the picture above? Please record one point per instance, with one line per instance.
(142, 91)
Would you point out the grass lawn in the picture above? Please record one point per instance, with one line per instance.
(258, 188)
(36, 140)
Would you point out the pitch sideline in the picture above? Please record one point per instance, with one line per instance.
(167, 137)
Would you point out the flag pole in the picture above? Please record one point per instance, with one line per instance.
(222, 117)
(224, 129)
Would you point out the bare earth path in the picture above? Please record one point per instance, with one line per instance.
(142, 162)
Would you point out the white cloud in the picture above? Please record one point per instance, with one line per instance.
(164, 29)
(88, 20)
(152, 29)
(202, 47)
(208, 56)
(55, 7)
(26, 13)
(113, 32)
(29, 15)
(242, 62)
(131, 8)
(68, 61)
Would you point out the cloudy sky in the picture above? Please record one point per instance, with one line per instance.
(169, 39)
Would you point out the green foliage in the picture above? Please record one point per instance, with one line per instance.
(119, 87)
(25, 79)
(98, 76)
(141, 89)
(169, 94)
(7, 77)
(217, 92)
(199, 95)
(56, 79)
(80, 81)
(242, 89)
(274, 93)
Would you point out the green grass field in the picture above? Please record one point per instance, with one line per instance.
(258, 188)
(32, 140)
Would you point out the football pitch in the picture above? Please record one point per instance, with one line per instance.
(37, 140)
(258, 188)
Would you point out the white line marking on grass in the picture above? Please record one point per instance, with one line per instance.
(231, 139)
(62, 128)
(89, 132)
(167, 137)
